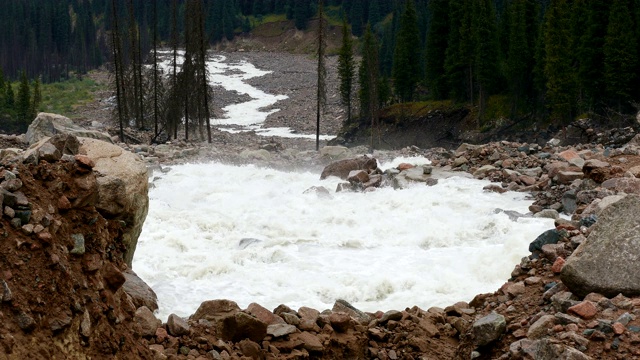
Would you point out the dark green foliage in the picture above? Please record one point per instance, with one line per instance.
(436, 49)
(346, 68)
(368, 79)
(620, 54)
(521, 51)
(23, 102)
(590, 19)
(458, 57)
(356, 16)
(561, 89)
(406, 60)
(485, 50)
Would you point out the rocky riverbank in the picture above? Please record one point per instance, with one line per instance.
(574, 297)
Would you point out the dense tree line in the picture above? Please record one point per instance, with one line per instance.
(18, 104)
(551, 60)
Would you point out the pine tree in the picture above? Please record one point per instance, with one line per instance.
(36, 99)
(590, 19)
(485, 51)
(24, 99)
(620, 54)
(9, 97)
(368, 78)
(2, 91)
(518, 53)
(301, 14)
(406, 59)
(321, 98)
(558, 68)
(436, 49)
(458, 57)
(356, 16)
(346, 68)
(374, 12)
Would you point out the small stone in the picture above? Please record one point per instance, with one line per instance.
(12, 185)
(64, 203)
(7, 296)
(25, 322)
(9, 212)
(78, 244)
(340, 321)
(618, 328)
(177, 326)
(147, 321)
(540, 328)
(533, 280)
(113, 277)
(85, 324)
(45, 237)
(390, 315)
(27, 229)
(310, 342)
(585, 309)
(279, 330)
(488, 329)
(557, 265)
(161, 334)
(60, 322)
(85, 161)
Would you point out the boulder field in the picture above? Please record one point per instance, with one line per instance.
(67, 290)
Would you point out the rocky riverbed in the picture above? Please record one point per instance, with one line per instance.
(574, 297)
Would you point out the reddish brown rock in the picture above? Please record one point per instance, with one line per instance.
(405, 166)
(618, 328)
(64, 203)
(113, 277)
(85, 161)
(264, 315)
(586, 310)
(557, 265)
(340, 321)
(177, 326)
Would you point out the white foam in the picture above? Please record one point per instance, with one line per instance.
(425, 246)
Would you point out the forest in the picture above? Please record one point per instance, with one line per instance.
(541, 60)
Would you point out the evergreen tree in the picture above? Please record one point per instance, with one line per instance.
(23, 103)
(520, 51)
(346, 68)
(9, 97)
(485, 50)
(374, 12)
(620, 54)
(436, 49)
(2, 90)
(558, 66)
(406, 59)
(458, 57)
(356, 16)
(36, 99)
(301, 14)
(368, 79)
(590, 19)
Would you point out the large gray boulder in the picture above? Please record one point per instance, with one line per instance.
(48, 125)
(608, 262)
(122, 188)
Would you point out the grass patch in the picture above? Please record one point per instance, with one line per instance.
(417, 109)
(63, 97)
